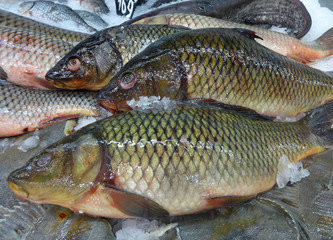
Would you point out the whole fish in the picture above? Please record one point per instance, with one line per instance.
(278, 42)
(26, 56)
(92, 63)
(97, 6)
(289, 14)
(53, 12)
(13, 20)
(23, 110)
(169, 162)
(92, 19)
(225, 65)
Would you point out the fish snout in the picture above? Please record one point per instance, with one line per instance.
(16, 188)
(53, 75)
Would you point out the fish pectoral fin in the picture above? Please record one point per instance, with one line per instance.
(3, 74)
(247, 33)
(227, 200)
(299, 59)
(135, 205)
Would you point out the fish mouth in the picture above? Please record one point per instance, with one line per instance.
(17, 189)
(112, 107)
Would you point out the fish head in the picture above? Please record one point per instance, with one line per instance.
(89, 65)
(145, 75)
(61, 173)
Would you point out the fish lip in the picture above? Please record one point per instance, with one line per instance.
(17, 189)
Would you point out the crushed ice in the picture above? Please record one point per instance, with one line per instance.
(5, 144)
(289, 172)
(152, 103)
(142, 229)
(84, 121)
(29, 143)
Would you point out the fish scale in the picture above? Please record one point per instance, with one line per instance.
(9, 19)
(279, 42)
(26, 55)
(23, 109)
(224, 65)
(214, 141)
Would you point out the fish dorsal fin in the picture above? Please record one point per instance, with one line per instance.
(135, 205)
(233, 108)
(247, 33)
(227, 200)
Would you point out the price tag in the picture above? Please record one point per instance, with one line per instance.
(126, 7)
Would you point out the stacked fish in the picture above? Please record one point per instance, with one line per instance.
(213, 145)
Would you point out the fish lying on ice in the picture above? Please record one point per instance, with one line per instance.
(289, 14)
(224, 65)
(168, 162)
(92, 19)
(92, 63)
(278, 42)
(9, 19)
(53, 12)
(23, 110)
(97, 6)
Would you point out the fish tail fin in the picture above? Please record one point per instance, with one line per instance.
(325, 41)
(320, 121)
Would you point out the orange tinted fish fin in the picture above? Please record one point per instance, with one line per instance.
(298, 59)
(55, 120)
(247, 33)
(325, 41)
(136, 205)
(227, 200)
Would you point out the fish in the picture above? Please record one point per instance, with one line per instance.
(26, 56)
(54, 12)
(289, 14)
(224, 65)
(97, 6)
(9, 19)
(92, 19)
(23, 110)
(160, 163)
(92, 63)
(278, 42)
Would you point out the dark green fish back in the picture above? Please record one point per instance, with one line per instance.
(228, 66)
(129, 40)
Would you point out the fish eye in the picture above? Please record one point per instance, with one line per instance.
(44, 160)
(127, 80)
(74, 64)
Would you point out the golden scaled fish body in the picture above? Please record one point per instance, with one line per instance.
(169, 162)
(225, 65)
(23, 110)
(93, 62)
(9, 19)
(26, 56)
(279, 42)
